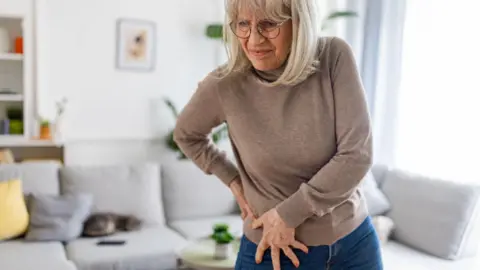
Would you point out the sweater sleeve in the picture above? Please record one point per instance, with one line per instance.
(194, 124)
(335, 182)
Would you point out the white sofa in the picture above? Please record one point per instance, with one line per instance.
(181, 203)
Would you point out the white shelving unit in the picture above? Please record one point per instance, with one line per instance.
(11, 57)
(17, 80)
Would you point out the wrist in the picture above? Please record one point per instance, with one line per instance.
(236, 187)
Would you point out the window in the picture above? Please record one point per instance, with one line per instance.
(438, 131)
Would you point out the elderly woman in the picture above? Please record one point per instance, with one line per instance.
(300, 131)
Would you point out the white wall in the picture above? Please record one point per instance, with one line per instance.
(76, 60)
(15, 7)
(113, 115)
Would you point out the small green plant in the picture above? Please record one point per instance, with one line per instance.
(44, 123)
(219, 134)
(214, 31)
(221, 234)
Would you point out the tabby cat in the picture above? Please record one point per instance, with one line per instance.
(103, 224)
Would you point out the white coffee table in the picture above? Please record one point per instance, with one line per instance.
(199, 255)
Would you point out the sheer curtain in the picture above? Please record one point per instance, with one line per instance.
(437, 131)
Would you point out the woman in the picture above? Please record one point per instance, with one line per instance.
(301, 135)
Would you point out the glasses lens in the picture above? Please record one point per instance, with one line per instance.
(241, 29)
(269, 29)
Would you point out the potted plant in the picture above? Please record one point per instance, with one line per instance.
(223, 241)
(219, 134)
(45, 132)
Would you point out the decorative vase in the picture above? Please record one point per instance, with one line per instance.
(4, 41)
(57, 130)
(19, 45)
(222, 251)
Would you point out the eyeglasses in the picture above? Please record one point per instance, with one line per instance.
(267, 28)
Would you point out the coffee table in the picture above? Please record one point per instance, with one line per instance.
(199, 255)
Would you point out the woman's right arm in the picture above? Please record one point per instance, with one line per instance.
(202, 113)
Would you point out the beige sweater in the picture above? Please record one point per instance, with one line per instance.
(303, 149)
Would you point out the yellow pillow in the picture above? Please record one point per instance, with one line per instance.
(13, 210)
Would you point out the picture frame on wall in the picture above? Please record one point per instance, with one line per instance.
(136, 42)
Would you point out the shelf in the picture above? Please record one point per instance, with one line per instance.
(11, 56)
(11, 97)
(22, 141)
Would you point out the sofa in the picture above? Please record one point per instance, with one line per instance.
(178, 203)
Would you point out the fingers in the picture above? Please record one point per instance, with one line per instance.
(257, 223)
(300, 246)
(289, 253)
(246, 212)
(262, 246)
(275, 258)
(243, 214)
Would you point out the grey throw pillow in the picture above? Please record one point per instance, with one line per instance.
(377, 202)
(58, 218)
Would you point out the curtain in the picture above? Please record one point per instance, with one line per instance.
(438, 108)
(376, 37)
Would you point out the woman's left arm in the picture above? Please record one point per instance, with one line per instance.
(334, 183)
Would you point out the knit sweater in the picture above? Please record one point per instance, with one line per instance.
(303, 149)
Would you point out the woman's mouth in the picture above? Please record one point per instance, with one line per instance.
(259, 54)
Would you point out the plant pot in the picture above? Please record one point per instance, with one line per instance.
(222, 251)
(45, 132)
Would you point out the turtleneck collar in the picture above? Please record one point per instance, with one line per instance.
(269, 75)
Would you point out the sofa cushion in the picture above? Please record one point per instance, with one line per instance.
(13, 210)
(202, 227)
(147, 249)
(19, 255)
(189, 193)
(58, 218)
(121, 189)
(384, 227)
(379, 172)
(432, 215)
(37, 177)
(377, 202)
(396, 256)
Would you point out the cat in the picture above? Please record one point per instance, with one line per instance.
(104, 224)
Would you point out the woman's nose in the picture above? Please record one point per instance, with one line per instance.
(255, 37)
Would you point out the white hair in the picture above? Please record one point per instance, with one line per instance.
(303, 57)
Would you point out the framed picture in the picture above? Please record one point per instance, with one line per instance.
(135, 45)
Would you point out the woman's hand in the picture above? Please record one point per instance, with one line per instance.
(237, 190)
(277, 236)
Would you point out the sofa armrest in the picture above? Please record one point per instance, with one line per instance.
(433, 215)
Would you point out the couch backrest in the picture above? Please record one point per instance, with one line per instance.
(173, 190)
(37, 177)
(123, 189)
(437, 216)
(189, 193)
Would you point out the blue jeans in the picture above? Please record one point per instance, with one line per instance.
(360, 250)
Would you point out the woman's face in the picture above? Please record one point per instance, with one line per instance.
(268, 51)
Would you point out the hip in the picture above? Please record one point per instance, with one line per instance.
(324, 230)
(360, 248)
